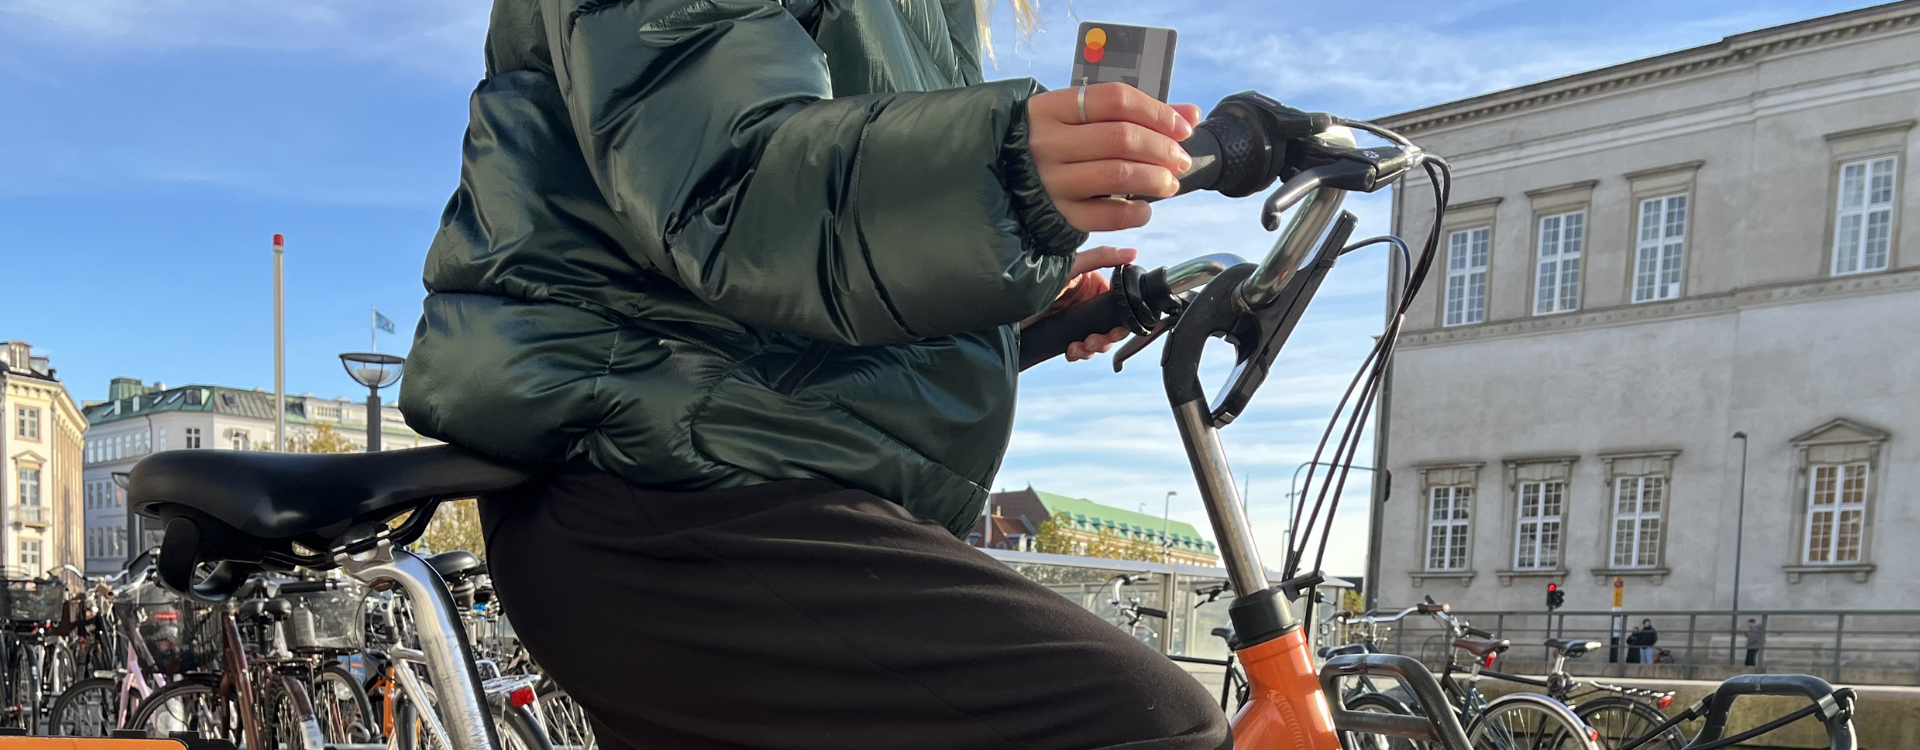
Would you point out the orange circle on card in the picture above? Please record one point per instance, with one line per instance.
(1096, 37)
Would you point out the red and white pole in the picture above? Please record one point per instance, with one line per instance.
(279, 343)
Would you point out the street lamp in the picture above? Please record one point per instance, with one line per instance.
(375, 371)
(1739, 539)
(1166, 513)
(1293, 491)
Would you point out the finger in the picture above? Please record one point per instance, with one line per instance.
(1101, 342)
(1111, 140)
(1105, 214)
(1077, 351)
(1189, 111)
(1108, 102)
(1111, 177)
(1105, 256)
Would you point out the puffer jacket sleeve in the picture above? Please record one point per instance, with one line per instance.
(711, 129)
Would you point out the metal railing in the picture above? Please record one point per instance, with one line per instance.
(35, 515)
(1860, 647)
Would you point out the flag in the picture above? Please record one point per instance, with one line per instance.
(382, 322)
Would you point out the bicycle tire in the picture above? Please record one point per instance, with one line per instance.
(23, 697)
(94, 701)
(1529, 721)
(1621, 720)
(200, 708)
(520, 729)
(1377, 703)
(565, 721)
(335, 690)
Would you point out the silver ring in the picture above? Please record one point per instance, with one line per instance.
(1082, 98)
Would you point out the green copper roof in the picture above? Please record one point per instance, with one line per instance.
(1106, 515)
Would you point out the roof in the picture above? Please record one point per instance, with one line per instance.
(1098, 515)
(212, 399)
(1732, 50)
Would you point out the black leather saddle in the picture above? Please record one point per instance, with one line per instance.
(249, 511)
(1481, 647)
(1572, 649)
(456, 564)
(1328, 652)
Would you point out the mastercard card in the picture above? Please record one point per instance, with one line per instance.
(1139, 56)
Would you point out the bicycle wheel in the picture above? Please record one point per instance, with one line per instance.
(342, 706)
(520, 729)
(281, 722)
(194, 704)
(90, 708)
(1377, 703)
(1621, 720)
(23, 698)
(565, 721)
(1525, 721)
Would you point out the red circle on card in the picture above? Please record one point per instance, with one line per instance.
(1093, 54)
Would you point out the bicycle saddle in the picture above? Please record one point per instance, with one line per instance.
(1572, 649)
(457, 563)
(1481, 647)
(251, 511)
(1328, 652)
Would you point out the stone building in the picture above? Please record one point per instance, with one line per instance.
(41, 439)
(1640, 262)
(138, 419)
(1011, 520)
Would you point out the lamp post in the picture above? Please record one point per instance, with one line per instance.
(1166, 523)
(1739, 540)
(1293, 491)
(375, 371)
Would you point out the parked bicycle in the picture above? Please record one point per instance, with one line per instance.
(38, 661)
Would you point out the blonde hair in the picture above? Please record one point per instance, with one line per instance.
(1026, 16)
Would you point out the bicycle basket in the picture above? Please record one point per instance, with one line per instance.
(33, 601)
(326, 622)
(182, 636)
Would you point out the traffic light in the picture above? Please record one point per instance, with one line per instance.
(1555, 597)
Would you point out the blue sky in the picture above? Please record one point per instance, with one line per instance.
(150, 148)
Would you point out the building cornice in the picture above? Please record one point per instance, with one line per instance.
(1685, 307)
(1728, 52)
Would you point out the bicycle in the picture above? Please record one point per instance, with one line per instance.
(127, 671)
(1619, 713)
(1130, 612)
(38, 661)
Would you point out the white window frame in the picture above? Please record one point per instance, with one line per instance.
(29, 487)
(28, 418)
(1539, 537)
(1638, 547)
(1835, 514)
(193, 438)
(1660, 247)
(32, 564)
(1556, 270)
(1873, 199)
(1468, 251)
(1455, 529)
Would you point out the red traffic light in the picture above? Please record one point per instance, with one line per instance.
(1553, 587)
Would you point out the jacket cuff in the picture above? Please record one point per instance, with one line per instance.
(1043, 223)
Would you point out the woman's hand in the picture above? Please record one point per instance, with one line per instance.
(1085, 284)
(1127, 144)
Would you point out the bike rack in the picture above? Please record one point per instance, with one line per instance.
(1440, 727)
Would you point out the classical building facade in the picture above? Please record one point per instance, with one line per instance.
(1011, 520)
(138, 419)
(1660, 282)
(40, 518)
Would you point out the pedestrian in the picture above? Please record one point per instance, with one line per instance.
(744, 282)
(1648, 637)
(1756, 639)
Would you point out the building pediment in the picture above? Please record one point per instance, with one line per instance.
(1841, 430)
(29, 456)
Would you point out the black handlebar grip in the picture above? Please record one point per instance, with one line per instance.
(307, 587)
(1049, 337)
(1476, 632)
(1152, 612)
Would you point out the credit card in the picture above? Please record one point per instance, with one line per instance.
(1140, 56)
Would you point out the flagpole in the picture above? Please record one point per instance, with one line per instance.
(279, 343)
(373, 329)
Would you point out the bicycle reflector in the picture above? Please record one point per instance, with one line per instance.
(1664, 702)
(1487, 663)
(521, 696)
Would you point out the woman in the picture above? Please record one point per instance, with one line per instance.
(744, 277)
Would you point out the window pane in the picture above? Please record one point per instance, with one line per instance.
(1457, 552)
(1653, 490)
(1650, 220)
(1437, 548)
(1623, 543)
(1626, 495)
(1529, 538)
(1550, 544)
(1550, 237)
(1457, 251)
(1550, 497)
(1646, 269)
(1476, 296)
(1819, 535)
(1847, 536)
(1570, 284)
(1854, 488)
(1823, 484)
(1879, 231)
(1546, 290)
(1649, 542)
(1676, 216)
(1530, 500)
(1456, 299)
(1460, 497)
(1880, 189)
(1853, 185)
(1573, 234)
(1479, 246)
(1846, 245)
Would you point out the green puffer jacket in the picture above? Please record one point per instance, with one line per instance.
(703, 244)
